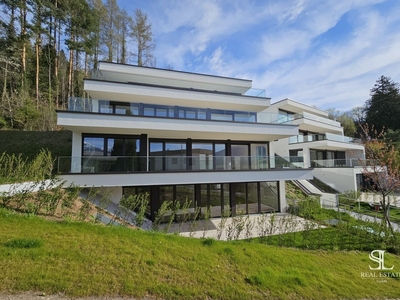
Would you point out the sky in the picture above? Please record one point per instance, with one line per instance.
(324, 53)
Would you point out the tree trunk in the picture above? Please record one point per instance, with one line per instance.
(56, 54)
(37, 70)
(57, 66)
(23, 41)
(70, 72)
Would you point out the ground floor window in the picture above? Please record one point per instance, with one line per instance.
(143, 191)
(216, 199)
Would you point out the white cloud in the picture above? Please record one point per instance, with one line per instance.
(286, 47)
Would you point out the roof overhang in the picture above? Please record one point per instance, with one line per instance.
(157, 127)
(116, 91)
(148, 75)
(298, 108)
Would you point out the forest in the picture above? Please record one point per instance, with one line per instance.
(47, 47)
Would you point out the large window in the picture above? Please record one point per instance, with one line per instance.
(240, 197)
(240, 157)
(175, 156)
(139, 191)
(202, 156)
(118, 108)
(269, 196)
(219, 198)
(252, 197)
(110, 154)
(221, 162)
(259, 156)
(196, 155)
(93, 146)
(285, 116)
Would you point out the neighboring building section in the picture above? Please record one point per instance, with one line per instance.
(337, 160)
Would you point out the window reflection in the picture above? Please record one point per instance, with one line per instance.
(93, 146)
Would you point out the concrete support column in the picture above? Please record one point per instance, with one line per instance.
(282, 195)
(271, 154)
(306, 156)
(76, 152)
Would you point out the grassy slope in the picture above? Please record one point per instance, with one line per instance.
(29, 143)
(81, 259)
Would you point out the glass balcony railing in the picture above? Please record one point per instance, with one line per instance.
(342, 163)
(138, 164)
(256, 93)
(322, 137)
(309, 116)
(177, 112)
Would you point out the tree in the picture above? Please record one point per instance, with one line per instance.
(125, 20)
(383, 108)
(344, 118)
(357, 114)
(383, 171)
(109, 25)
(143, 37)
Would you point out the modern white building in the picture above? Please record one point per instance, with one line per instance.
(336, 159)
(183, 136)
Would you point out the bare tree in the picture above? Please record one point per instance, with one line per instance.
(383, 170)
(143, 37)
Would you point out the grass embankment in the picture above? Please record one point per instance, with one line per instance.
(82, 259)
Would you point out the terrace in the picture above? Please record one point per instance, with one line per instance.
(87, 105)
(145, 164)
(323, 137)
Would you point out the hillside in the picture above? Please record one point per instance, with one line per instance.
(29, 143)
(81, 259)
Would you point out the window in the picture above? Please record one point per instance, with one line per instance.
(285, 116)
(93, 146)
(202, 156)
(105, 107)
(269, 196)
(122, 152)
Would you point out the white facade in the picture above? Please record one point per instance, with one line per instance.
(177, 134)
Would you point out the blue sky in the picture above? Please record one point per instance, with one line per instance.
(324, 53)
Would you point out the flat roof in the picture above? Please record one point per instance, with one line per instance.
(297, 107)
(173, 78)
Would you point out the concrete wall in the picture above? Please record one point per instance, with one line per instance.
(341, 179)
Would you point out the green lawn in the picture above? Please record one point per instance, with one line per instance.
(82, 259)
(365, 209)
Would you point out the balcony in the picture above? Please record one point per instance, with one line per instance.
(323, 120)
(323, 137)
(138, 164)
(174, 95)
(342, 163)
(176, 112)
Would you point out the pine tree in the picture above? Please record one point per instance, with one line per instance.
(383, 108)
